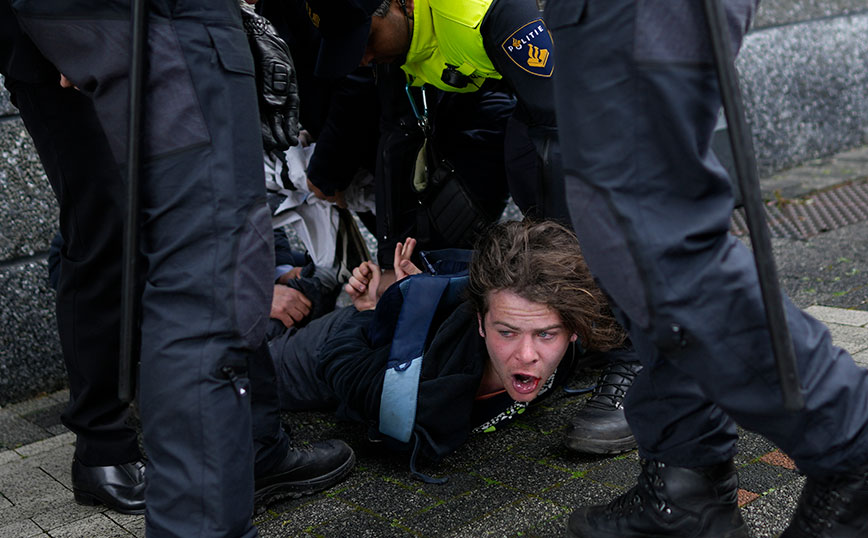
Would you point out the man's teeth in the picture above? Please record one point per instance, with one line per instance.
(524, 378)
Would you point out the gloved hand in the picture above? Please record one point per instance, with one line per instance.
(275, 82)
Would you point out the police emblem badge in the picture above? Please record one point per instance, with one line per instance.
(530, 47)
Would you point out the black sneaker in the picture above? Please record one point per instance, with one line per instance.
(668, 501)
(601, 427)
(833, 507)
(305, 470)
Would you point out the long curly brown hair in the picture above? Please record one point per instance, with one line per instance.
(542, 262)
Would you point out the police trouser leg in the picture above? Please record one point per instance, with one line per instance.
(270, 442)
(77, 160)
(672, 417)
(637, 101)
(199, 332)
(209, 245)
(534, 173)
(206, 235)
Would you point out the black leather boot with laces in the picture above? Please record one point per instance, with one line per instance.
(832, 507)
(600, 427)
(668, 501)
(304, 470)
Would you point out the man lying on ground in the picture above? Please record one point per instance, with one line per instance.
(531, 304)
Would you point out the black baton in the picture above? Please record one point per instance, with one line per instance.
(748, 179)
(129, 295)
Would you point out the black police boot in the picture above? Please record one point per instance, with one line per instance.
(305, 470)
(832, 507)
(668, 501)
(120, 487)
(600, 427)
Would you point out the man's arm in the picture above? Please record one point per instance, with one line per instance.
(520, 46)
(348, 136)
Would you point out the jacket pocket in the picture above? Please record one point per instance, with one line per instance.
(232, 49)
(253, 286)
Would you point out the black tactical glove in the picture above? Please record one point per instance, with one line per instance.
(275, 82)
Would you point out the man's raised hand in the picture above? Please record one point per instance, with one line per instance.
(403, 266)
(362, 287)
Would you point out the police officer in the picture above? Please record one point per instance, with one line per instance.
(637, 101)
(461, 47)
(366, 125)
(66, 134)
(206, 239)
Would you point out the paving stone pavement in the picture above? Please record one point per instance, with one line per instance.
(517, 481)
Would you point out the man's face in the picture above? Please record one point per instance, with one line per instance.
(525, 340)
(390, 36)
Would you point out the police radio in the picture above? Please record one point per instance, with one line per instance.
(453, 77)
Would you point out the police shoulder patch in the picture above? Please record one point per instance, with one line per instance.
(530, 47)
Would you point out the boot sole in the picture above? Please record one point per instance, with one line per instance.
(293, 490)
(597, 446)
(89, 499)
(741, 532)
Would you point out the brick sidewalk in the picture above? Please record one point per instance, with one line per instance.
(518, 481)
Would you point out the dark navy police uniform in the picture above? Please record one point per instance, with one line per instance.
(79, 165)
(533, 160)
(637, 102)
(206, 237)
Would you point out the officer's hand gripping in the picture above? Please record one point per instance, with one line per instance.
(275, 82)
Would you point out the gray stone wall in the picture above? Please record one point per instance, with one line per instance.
(30, 358)
(805, 88)
(804, 69)
(6, 107)
(782, 12)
